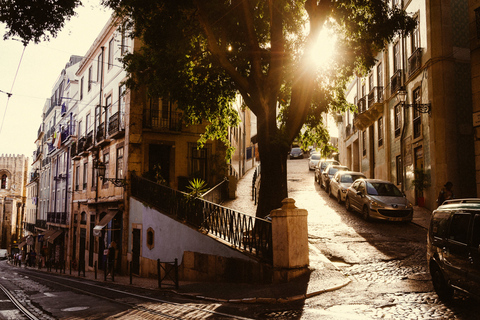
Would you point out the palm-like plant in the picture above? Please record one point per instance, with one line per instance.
(197, 187)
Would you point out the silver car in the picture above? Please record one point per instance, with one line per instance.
(313, 160)
(340, 183)
(378, 199)
(328, 174)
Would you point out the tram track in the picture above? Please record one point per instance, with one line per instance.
(18, 304)
(143, 306)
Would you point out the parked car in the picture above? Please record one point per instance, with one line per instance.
(3, 254)
(313, 160)
(378, 199)
(453, 248)
(340, 183)
(296, 153)
(320, 167)
(328, 174)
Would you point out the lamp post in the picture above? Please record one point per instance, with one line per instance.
(101, 168)
(420, 107)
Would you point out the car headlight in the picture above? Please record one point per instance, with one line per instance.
(410, 205)
(374, 203)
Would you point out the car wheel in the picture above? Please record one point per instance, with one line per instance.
(366, 213)
(339, 197)
(444, 291)
(347, 204)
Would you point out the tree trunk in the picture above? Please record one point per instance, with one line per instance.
(273, 174)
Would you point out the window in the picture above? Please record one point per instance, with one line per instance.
(370, 82)
(396, 57)
(415, 37)
(380, 131)
(89, 85)
(150, 238)
(106, 162)
(85, 175)
(4, 182)
(99, 66)
(459, 227)
(119, 166)
(79, 133)
(364, 143)
(81, 88)
(110, 53)
(108, 107)
(398, 162)
(77, 178)
(379, 75)
(198, 161)
(87, 123)
(417, 119)
(398, 120)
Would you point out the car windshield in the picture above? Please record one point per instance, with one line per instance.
(296, 150)
(350, 178)
(315, 156)
(383, 189)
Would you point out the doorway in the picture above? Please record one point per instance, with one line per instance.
(136, 251)
(159, 155)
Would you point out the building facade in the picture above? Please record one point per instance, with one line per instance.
(432, 130)
(13, 181)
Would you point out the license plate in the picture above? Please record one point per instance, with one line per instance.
(395, 219)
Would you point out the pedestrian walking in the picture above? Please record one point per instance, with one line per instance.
(111, 257)
(446, 193)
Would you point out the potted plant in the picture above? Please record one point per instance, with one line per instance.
(420, 183)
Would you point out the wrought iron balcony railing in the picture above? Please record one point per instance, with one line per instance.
(57, 217)
(396, 81)
(415, 61)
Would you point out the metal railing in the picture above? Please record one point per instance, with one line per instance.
(243, 232)
(218, 193)
(57, 217)
(396, 81)
(415, 61)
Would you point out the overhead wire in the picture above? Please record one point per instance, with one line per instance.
(9, 94)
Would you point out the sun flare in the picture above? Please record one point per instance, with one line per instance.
(323, 50)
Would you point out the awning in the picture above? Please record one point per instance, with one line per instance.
(105, 220)
(53, 235)
(21, 244)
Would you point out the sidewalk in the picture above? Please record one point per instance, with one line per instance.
(323, 276)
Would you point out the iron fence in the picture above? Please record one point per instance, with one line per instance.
(243, 232)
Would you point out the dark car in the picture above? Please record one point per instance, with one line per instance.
(320, 167)
(378, 199)
(453, 247)
(328, 174)
(296, 153)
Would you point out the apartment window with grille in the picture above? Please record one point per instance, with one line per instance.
(396, 57)
(415, 37)
(106, 161)
(77, 178)
(110, 53)
(89, 84)
(81, 88)
(398, 119)
(380, 131)
(119, 168)
(364, 143)
(4, 181)
(417, 116)
(85, 175)
(198, 161)
(380, 75)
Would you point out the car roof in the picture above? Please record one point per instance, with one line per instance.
(350, 172)
(336, 166)
(375, 181)
(456, 204)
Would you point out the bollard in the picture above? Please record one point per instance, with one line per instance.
(131, 273)
(70, 267)
(176, 273)
(79, 267)
(64, 266)
(83, 268)
(95, 269)
(113, 273)
(104, 272)
(159, 275)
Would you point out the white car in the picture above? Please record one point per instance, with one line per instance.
(3, 254)
(313, 160)
(340, 183)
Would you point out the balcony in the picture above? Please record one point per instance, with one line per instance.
(89, 141)
(41, 224)
(81, 147)
(116, 125)
(362, 105)
(168, 121)
(57, 217)
(415, 61)
(396, 81)
(368, 117)
(100, 136)
(67, 132)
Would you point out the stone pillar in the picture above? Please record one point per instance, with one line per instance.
(232, 187)
(289, 241)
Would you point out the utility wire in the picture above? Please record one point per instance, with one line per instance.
(11, 89)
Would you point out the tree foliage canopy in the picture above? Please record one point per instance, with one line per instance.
(34, 21)
(201, 53)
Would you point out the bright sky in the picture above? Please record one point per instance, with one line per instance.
(37, 72)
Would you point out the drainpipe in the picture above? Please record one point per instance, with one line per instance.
(404, 120)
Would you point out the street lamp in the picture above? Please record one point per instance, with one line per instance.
(420, 107)
(101, 168)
